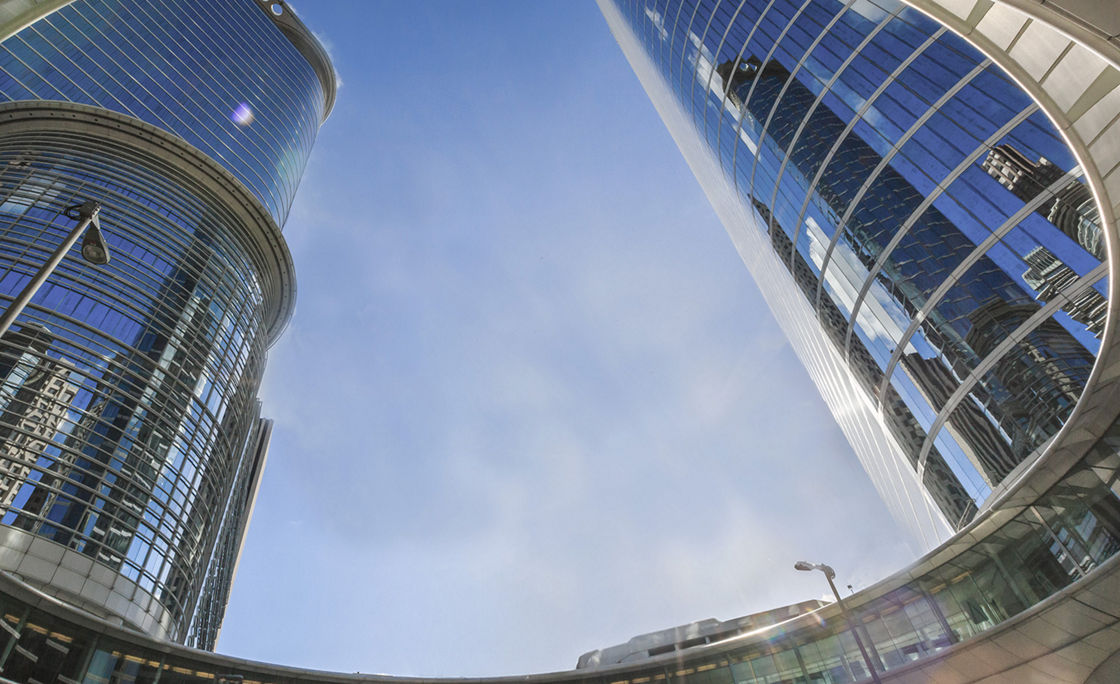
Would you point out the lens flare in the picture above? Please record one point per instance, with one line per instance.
(242, 115)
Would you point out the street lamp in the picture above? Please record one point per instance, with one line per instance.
(94, 250)
(829, 574)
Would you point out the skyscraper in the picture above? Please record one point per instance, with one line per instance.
(132, 442)
(877, 173)
(1027, 591)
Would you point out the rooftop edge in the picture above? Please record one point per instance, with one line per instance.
(285, 19)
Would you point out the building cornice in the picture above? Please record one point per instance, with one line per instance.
(308, 45)
(16, 15)
(265, 241)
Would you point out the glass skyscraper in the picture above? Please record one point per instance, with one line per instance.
(129, 419)
(930, 217)
(916, 221)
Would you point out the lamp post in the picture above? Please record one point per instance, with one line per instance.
(829, 574)
(94, 250)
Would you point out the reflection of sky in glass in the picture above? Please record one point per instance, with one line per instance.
(193, 91)
(961, 465)
(152, 323)
(939, 160)
(987, 203)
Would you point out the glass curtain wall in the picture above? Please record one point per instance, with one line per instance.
(128, 392)
(218, 74)
(1071, 530)
(924, 207)
(156, 359)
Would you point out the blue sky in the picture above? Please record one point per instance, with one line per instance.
(531, 403)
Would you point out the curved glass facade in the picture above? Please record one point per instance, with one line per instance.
(220, 75)
(926, 210)
(128, 391)
(1070, 531)
(160, 353)
(945, 250)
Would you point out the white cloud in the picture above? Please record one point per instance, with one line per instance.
(530, 404)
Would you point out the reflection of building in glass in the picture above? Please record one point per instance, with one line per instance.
(855, 152)
(1013, 408)
(984, 443)
(1020, 175)
(1049, 276)
(965, 611)
(1036, 395)
(947, 492)
(132, 431)
(1071, 208)
(35, 396)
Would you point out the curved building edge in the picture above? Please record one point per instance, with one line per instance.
(256, 276)
(53, 565)
(15, 15)
(18, 14)
(1070, 634)
(308, 45)
(1075, 627)
(264, 238)
(1071, 67)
